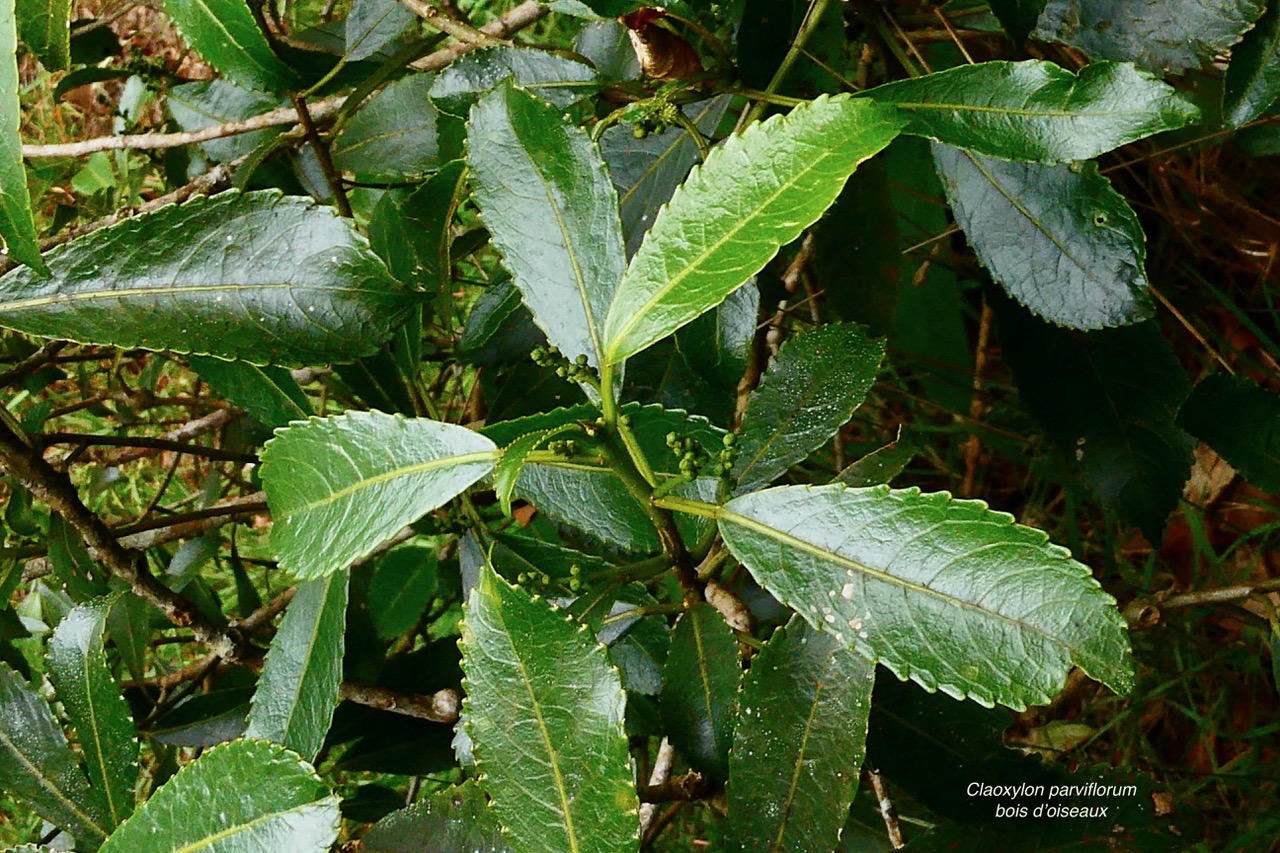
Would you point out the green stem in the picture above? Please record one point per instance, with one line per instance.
(688, 505)
(608, 406)
(808, 26)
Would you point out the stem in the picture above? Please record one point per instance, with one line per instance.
(608, 407)
(688, 505)
(812, 18)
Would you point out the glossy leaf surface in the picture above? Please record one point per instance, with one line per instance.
(246, 796)
(104, 726)
(1160, 35)
(809, 391)
(1036, 110)
(394, 136)
(45, 28)
(553, 213)
(557, 80)
(375, 24)
(340, 486)
(756, 192)
(453, 819)
(256, 276)
(1241, 421)
(269, 394)
(946, 592)
(700, 689)
(1058, 239)
(302, 675)
(205, 103)
(1253, 77)
(38, 766)
(544, 710)
(799, 743)
(17, 225)
(225, 34)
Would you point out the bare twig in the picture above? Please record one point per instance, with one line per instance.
(661, 772)
(175, 439)
(439, 707)
(31, 364)
(463, 32)
(887, 810)
(145, 443)
(512, 22)
(321, 149)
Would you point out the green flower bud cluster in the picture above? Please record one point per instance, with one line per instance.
(567, 448)
(575, 371)
(651, 116)
(695, 461)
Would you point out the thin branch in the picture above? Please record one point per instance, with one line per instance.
(321, 149)
(463, 32)
(147, 443)
(31, 470)
(887, 810)
(516, 19)
(174, 439)
(31, 364)
(439, 707)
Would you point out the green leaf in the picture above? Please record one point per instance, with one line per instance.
(1036, 110)
(17, 224)
(811, 389)
(1059, 239)
(38, 767)
(647, 171)
(205, 103)
(269, 394)
(69, 559)
(1161, 35)
(754, 193)
(558, 80)
(1018, 17)
(411, 232)
(243, 797)
(514, 456)
(374, 24)
(400, 589)
(946, 592)
(225, 34)
(799, 743)
(453, 819)
(45, 28)
(545, 712)
(338, 487)
(104, 726)
(302, 675)
(879, 467)
(1240, 421)
(1108, 401)
(587, 494)
(394, 137)
(256, 276)
(700, 688)
(1253, 77)
(549, 204)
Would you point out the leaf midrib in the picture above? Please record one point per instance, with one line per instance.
(34, 771)
(408, 470)
(208, 840)
(789, 802)
(168, 290)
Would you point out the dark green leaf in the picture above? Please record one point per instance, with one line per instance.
(1018, 17)
(205, 103)
(38, 766)
(608, 47)
(1059, 239)
(548, 201)
(557, 80)
(243, 797)
(588, 495)
(204, 720)
(45, 28)
(17, 225)
(258, 276)
(225, 34)
(1160, 35)
(454, 820)
(374, 24)
(302, 674)
(79, 673)
(394, 136)
(69, 559)
(810, 390)
(514, 456)
(700, 689)
(269, 394)
(1253, 77)
(756, 192)
(340, 486)
(1108, 400)
(544, 710)
(879, 467)
(410, 231)
(799, 742)
(1036, 110)
(401, 588)
(647, 171)
(130, 628)
(1241, 421)
(946, 592)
